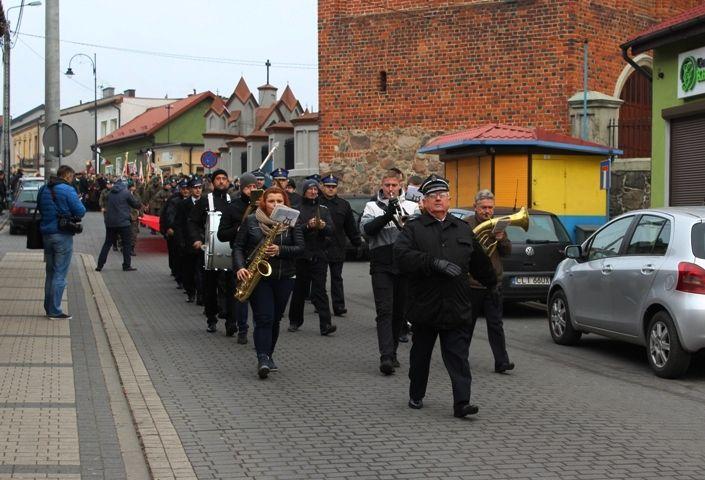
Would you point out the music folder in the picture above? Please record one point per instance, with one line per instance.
(285, 215)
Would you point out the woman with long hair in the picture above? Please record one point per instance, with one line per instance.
(270, 296)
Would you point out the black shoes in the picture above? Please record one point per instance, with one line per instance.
(395, 362)
(98, 269)
(328, 329)
(415, 404)
(190, 299)
(503, 367)
(263, 367)
(229, 331)
(386, 365)
(129, 269)
(242, 338)
(211, 328)
(463, 410)
(293, 327)
(341, 312)
(60, 316)
(273, 366)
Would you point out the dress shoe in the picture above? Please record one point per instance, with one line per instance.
(190, 299)
(98, 269)
(328, 330)
(460, 411)
(415, 404)
(230, 331)
(242, 338)
(293, 327)
(341, 312)
(395, 362)
(386, 366)
(211, 328)
(263, 367)
(503, 367)
(404, 338)
(129, 269)
(273, 366)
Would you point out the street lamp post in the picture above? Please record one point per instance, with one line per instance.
(7, 124)
(69, 73)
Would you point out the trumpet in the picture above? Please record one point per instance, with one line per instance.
(400, 216)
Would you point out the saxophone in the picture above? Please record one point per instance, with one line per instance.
(259, 266)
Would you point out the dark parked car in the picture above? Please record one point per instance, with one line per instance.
(536, 253)
(22, 209)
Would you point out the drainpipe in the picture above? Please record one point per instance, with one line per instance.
(190, 159)
(635, 65)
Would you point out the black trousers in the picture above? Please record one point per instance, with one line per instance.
(173, 252)
(337, 294)
(387, 289)
(111, 235)
(455, 349)
(482, 304)
(188, 259)
(310, 272)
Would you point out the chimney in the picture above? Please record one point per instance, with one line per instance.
(130, 92)
(108, 92)
(267, 95)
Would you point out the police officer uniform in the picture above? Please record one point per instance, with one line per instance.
(188, 255)
(438, 251)
(261, 178)
(167, 227)
(281, 178)
(312, 267)
(344, 227)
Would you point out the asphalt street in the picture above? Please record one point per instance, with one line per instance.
(591, 411)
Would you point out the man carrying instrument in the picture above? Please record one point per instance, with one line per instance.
(345, 226)
(233, 217)
(188, 257)
(381, 222)
(483, 300)
(317, 225)
(437, 251)
(217, 200)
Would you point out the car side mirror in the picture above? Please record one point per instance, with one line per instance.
(574, 251)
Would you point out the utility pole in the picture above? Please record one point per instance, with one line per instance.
(7, 123)
(52, 75)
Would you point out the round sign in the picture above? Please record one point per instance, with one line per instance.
(50, 139)
(209, 159)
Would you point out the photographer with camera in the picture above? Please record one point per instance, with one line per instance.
(117, 222)
(61, 212)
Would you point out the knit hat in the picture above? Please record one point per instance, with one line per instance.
(217, 172)
(247, 179)
(308, 184)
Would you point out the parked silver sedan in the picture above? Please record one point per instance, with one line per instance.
(640, 278)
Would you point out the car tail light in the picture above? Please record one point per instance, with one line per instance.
(691, 278)
(19, 210)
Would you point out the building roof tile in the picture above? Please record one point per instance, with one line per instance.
(694, 15)
(289, 99)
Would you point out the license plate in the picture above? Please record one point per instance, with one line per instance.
(531, 281)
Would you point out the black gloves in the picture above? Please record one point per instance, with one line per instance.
(392, 207)
(446, 268)
(495, 294)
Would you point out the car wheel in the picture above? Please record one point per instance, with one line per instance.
(562, 330)
(666, 356)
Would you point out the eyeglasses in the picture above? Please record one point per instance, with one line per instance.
(437, 195)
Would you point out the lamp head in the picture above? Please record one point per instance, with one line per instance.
(33, 4)
(69, 72)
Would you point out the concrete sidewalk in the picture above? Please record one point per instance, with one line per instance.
(93, 416)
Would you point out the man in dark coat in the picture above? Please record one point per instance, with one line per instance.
(317, 225)
(117, 222)
(216, 201)
(438, 251)
(167, 227)
(233, 216)
(344, 226)
(281, 180)
(188, 256)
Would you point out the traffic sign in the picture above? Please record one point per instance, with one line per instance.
(209, 159)
(59, 135)
(605, 180)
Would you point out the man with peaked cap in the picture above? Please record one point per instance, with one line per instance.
(281, 180)
(438, 251)
(215, 201)
(345, 226)
(261, 177)
(189, 256)
(167, 227)
(233, 216)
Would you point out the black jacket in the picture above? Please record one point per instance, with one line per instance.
(434, 298)
(232, 218)
(199, 214)
(167, 217)
(291, 245)
(181, 225)
(344, 225)
(317, 241)
(295, 200)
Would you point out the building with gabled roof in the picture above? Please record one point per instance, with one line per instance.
(242, 130)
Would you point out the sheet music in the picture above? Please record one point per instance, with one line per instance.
(284, 214)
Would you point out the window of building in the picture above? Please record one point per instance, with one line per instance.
(103, 128)
(113, 124)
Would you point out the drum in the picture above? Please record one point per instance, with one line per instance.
(218, 255)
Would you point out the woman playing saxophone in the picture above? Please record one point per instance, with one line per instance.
(271, 295)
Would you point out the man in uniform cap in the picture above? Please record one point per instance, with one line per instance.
(167, 227)
(345, 226)
(438, 251)
(261, 177)
(315, 177)
(188, 255)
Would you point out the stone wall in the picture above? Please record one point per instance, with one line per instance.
(631, 185)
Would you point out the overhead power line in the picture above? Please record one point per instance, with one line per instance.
(179, 56)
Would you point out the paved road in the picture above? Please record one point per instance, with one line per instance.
(592, 411)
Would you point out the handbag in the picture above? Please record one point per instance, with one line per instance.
(35, 241)
(66, 223)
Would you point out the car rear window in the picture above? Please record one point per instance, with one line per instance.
(542, 229)
(697, 239)
(28, 196)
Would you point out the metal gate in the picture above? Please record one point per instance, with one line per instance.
(687, 163)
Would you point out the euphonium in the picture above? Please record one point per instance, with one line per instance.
(259, 266)
(484, 235)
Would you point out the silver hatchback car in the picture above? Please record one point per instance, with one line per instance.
(640, 278)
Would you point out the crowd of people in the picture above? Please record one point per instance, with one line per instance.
(427, 269)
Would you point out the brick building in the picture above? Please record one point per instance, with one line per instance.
(394, 73)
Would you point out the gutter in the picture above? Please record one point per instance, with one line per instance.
(635, 65)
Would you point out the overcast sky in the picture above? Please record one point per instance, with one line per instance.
(238, 36)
